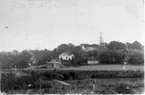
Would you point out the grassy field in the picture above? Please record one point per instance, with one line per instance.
(105, 67)
(99, 68)
(90, 68)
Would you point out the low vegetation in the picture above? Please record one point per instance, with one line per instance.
(88, 86)
(12, 82)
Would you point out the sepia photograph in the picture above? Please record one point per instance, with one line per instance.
(71, 47)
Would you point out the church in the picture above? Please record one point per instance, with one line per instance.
(102, 44)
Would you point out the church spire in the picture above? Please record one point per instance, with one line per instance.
(101, 43)
(101, 39)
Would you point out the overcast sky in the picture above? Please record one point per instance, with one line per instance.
(39, 24)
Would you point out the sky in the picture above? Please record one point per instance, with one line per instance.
(40, 24)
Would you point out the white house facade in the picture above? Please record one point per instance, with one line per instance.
(66, 56)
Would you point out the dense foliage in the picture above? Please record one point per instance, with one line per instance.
(116, 45)
(114, 53)
(110, 57)
(136, 58)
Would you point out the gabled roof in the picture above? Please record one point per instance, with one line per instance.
(55, 61)
(68, 53)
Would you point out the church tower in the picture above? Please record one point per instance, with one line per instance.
(101, 39)
(101, 43)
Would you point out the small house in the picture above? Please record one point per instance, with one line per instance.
(54, 64)
(93, 62)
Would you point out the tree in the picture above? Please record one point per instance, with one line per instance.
(110, 57)
(103, 56)
(78, 49)
(116, 45)
(43, 55)
(116, 57)
(129, 45)
(62, 48)
(134, 45)
(7, 61)
(71, 48)
(79, 61)
(85, 54)
(137, 45)
(55, 53)
(136, 57)
(22, 59)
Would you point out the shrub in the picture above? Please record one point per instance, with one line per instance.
(124, 89)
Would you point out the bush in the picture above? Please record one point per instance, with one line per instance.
(95, 74)
(8, 82)
(118, 74)
(124, 89)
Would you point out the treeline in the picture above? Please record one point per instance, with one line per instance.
(114, 53)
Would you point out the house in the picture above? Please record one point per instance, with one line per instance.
(88, 48)
(54, 63)
(66, 56)
(93, 62)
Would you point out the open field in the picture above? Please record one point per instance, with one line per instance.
(100, 68)
(105, 67)
(89, 68)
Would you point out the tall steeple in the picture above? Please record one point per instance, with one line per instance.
(101, 42)
(101, 39)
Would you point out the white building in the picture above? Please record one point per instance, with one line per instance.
(66, 56)
(93, 62)
(89, 48)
